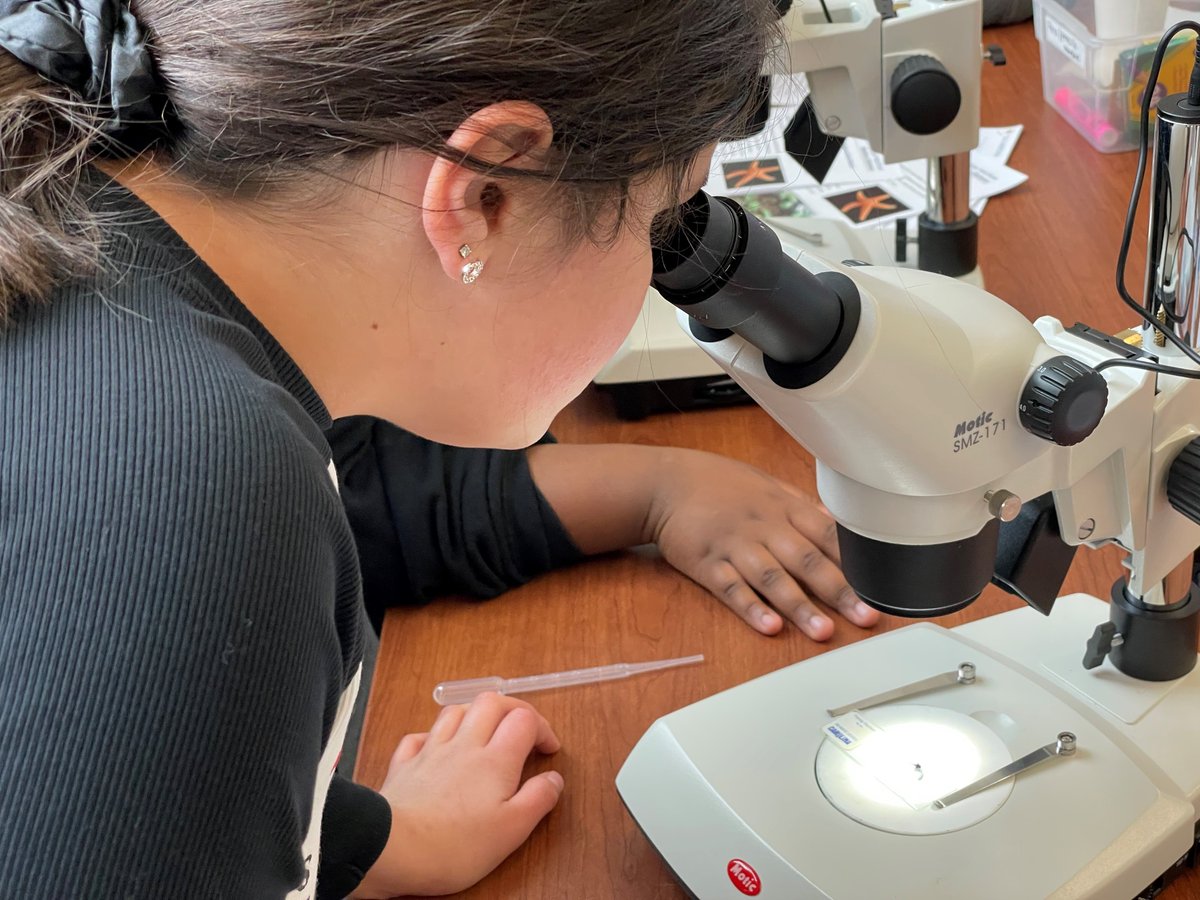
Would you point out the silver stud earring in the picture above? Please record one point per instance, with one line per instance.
(464, 251)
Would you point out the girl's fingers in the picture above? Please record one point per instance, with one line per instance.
(728, 586)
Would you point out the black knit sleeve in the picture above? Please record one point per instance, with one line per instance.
(354, 831)
(432, 520)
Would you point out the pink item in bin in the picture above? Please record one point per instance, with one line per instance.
(1076, 109)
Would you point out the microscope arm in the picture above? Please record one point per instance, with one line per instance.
(934, 410)
(872, 76)
(919, 430)
(908, 82)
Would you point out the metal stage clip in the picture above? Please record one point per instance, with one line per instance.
(964, 674)
(1064, 747)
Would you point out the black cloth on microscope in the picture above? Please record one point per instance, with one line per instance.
(1006, 12)
(432, 520)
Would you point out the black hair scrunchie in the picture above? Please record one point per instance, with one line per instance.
(97, 49)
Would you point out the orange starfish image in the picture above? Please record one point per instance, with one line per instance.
(756, 171)
(869, 207)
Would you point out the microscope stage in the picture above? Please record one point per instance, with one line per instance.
(934, 751)
(746, 794)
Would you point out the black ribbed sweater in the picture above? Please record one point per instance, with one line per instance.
(180, 591)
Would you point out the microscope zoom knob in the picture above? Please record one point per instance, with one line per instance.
(1063, 401)
(925, 96)
(1183, 481)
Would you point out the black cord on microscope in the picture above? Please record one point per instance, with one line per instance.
(1131, 214)
(1148, 366)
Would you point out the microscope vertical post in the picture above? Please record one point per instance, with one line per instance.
(948, 235)
(1172, 288)
(949, 189)
(1154, 636)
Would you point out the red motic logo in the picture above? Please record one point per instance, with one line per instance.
(744, 878)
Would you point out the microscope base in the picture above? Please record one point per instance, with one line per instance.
(659, 368)
(735, 792)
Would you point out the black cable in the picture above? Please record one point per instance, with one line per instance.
(1139, 178)
(1174, 318)
(1147, 366)
(1194, 81)
(828, 17)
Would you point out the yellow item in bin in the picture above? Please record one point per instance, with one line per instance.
(1172, 78)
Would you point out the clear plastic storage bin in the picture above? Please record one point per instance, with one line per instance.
(1108, 19)
(1097, 85)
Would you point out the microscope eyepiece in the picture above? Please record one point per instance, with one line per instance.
(728, 271)
(690, 262)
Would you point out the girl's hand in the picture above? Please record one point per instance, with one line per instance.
(458, 804)
(752, 541)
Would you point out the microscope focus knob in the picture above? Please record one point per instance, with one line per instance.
(1063, 401)
(1183, 481)
(925, 96)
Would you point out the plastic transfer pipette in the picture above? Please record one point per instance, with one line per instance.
(450, 692)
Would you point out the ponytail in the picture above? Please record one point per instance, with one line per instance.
(47, 234)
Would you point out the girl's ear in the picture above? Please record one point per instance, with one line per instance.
(463, 207)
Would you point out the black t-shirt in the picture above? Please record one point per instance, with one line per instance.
(180, 616)
(432, 520)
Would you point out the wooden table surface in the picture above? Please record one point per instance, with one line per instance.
(1046, 248)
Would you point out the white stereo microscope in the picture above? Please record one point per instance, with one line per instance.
(904, 76)
(1016, 757)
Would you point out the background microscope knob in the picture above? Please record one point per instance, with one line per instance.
(1063, 401)
(925, 96)
(1183, 482)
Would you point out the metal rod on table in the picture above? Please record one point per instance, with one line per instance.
(813, 237)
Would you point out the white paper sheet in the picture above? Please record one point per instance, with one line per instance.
(856, 169)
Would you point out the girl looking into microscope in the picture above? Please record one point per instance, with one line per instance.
(223, 225)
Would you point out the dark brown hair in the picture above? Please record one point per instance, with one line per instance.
(267, 92)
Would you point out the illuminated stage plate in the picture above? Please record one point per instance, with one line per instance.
(951, 750)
